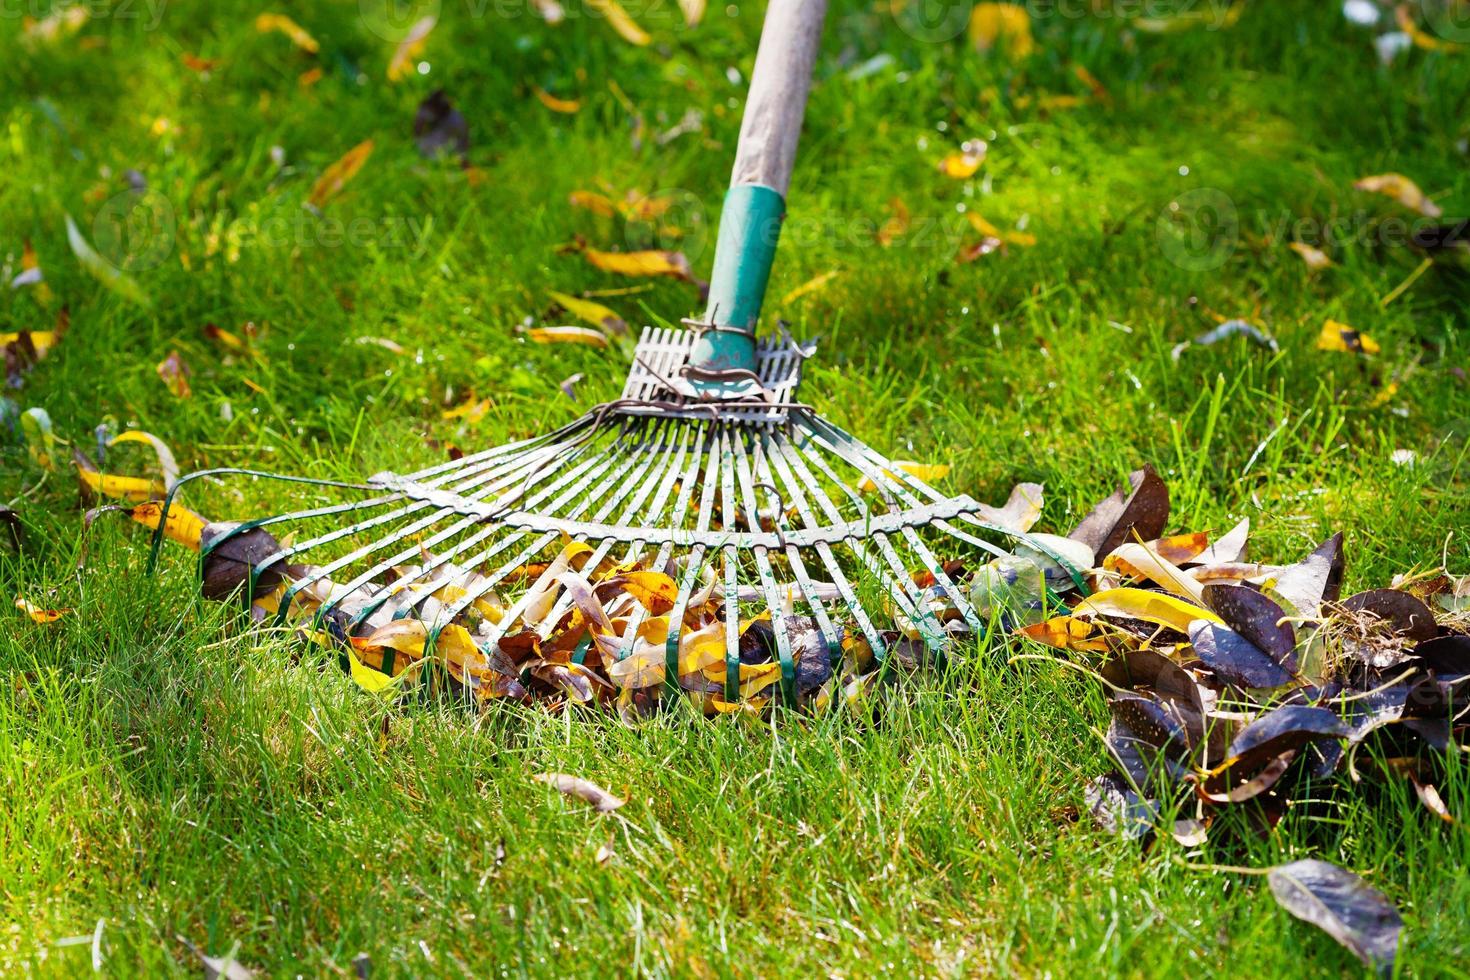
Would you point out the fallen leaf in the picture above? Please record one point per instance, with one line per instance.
(568, 335)
(1342, 905)
(38, 614)
(594, 313)
(175, 375)
(335, 177)
(646, 263)
(566, 106)
(166, 462)
(693, 11)
(897, 223)
(197, 64)
(620, 21)
(1067, 633)
(1403, 614)
(588, 792)
(471, 410)
(267, 23)
(989, 230)
(1315, 258)
(40, 438)
(1404, 15)
(1006, 25)
(568, 385)
(964, 164)
(1234, 659)
(1021, 511)
(135, 489)
(812, 285)
(438, 127)
(102, 270)
(1151, 607)
(182, 525)
(311, 76)
(410, 48)
(1348, 340)
(1401, 189)
(1227, 329)
(1139, 512)
(927, 472)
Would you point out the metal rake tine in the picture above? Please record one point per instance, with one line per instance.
(731, 584)
(696, 561)
(829, 632)
(468, 482)
(746, 483)
(325, 571)
(785, 460)
(909, 604)
(496, 452)
(680, 508)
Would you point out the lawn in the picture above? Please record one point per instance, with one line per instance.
(167, 776)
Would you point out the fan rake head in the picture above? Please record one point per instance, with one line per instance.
(740, 508)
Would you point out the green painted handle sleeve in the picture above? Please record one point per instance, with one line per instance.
(750, 225)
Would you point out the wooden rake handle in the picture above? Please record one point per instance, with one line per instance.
(750, 222)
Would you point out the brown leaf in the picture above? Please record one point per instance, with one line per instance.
(1141, 510)
(335, 177)
(588, 792)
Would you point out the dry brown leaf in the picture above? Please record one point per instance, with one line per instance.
(335, 177)
(1401, 189)
(38, 614)
(588, 792)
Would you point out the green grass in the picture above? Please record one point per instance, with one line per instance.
(163, 772)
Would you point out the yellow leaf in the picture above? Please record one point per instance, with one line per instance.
(30, 264)
(1139, 560)
(655, 591)
(1066, 633)
(1385, 396)
(592, 201)
(410, 48)
(812, 285)
(1344, 339)
(136, 489)
(989, 230)
(568, 335)
(897, 223)
(266, 23)
(1401, 189)
(472, 410)
(1404, 14)
(41, 340)
(928, 472)
(102, 270)
(648, 263)
(1151, 607)
(964, 164)
(166, 463)
(1005, 24)
(335, 177)
(37, 614)
(372, 681)
(567, 106)
(182, 525)
(594, 313)
(620, 21)
(175, 375)
(1315, 258)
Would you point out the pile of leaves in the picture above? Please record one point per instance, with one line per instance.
(1234, 683)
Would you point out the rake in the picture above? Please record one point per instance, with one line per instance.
(708, 466)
